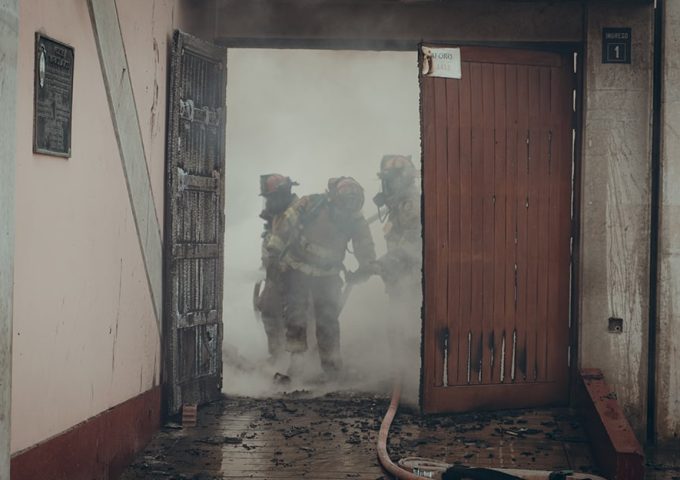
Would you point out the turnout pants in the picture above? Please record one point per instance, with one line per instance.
(324, 293)
(271, 306)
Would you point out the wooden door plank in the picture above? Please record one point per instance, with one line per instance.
(554, 226)
(513, 142)
(565, 217)
(542, 321)
(532, 212)
(466, 264)
(522, 221)
(508, 56)
(429, 231)
(488, 230)
(499, 211)
(441, 188)
(454, 274)
(477, 212)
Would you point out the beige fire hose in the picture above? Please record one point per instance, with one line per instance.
(424, 468)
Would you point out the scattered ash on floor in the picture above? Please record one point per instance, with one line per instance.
(296, 435)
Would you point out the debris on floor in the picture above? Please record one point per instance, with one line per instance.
(334, 437)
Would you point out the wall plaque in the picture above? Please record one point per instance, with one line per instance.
(616, 45)
(53, 97)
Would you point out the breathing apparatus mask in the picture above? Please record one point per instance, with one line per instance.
(397, 174)
(276, 191)
(346, 196)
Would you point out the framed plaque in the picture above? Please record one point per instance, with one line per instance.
(53, 97)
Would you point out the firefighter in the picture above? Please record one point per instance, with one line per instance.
(310, 244)
(401, 266)
(276, 189)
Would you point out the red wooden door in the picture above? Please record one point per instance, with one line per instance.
(497, 146)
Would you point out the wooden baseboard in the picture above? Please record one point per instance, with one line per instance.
(617, 451)
(97, 449)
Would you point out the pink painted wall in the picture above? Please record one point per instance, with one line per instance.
(85, 335)
(147, 38)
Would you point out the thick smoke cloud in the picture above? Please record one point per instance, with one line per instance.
(312, 115)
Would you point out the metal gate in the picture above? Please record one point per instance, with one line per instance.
(497, 146)
(194, 224)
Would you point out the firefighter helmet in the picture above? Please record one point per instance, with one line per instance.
(397, 165)
(397, 173)
(273, 183)
(346, 194)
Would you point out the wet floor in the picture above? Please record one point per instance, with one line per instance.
(663, 464)
(334, 437)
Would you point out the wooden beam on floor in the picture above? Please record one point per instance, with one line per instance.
(617, 451)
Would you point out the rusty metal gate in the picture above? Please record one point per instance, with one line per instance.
(497, 146)
(194, 224)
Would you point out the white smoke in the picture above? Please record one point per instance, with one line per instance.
(312, 115)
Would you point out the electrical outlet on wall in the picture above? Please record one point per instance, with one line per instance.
(615, 325)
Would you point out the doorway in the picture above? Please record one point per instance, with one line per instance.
(312, 115)
(497, 176)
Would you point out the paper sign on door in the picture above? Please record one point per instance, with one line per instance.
(441, 62)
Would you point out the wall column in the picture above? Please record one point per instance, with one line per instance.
(9, 30)
(668, 333)
(615, 207)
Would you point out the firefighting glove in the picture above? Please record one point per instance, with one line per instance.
(363, 273)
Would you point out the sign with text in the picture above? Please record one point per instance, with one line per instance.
(616, 45)
(441, 62)
(53, 97)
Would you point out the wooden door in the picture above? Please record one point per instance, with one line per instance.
(497, 146)
(194, 224)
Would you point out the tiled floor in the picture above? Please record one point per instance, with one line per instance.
(663, 464)
(334, 437)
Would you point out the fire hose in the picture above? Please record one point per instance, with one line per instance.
(418, 468)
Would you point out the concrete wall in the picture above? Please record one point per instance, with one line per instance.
(668, 343)
(8, 63)
(85, 333)
(147, 37)
(615, 207)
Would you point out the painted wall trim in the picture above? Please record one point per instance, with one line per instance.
(98, 448)
(126, 125)
(9, 39)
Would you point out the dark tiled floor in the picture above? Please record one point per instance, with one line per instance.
(663, 464)
(334, 437)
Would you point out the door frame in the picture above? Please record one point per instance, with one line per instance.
(576, 49)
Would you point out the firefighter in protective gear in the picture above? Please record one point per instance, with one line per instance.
(276, 189)
(402, 264)
(310, 243)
